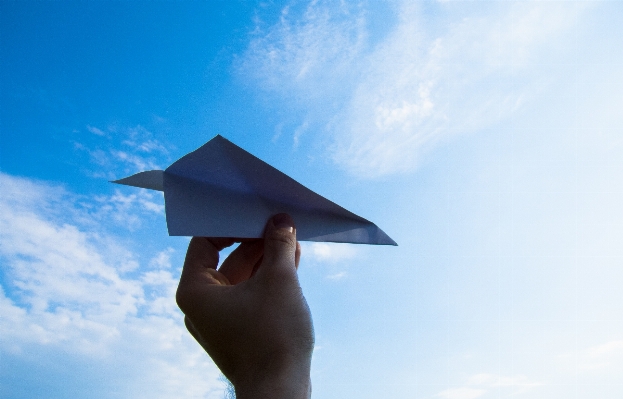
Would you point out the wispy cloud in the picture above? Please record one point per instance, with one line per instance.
(292, 56)
(96, 131)
(461, 393)
(140, 139)
(520, 383)
(162, 260)
(480, 384)
(608, 349)
(337, 276)
(335, 257)
(385, 105)
(73, 290)
(122, 151)
(598, 358)
(127, 210)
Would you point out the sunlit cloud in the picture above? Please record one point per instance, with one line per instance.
(329, 252)
(480, 384)
(337, 276)
(606, 357)
(292, 56)
(461, 393)
(399, 98)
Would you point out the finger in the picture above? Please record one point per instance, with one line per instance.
(257, 265)
(201, 257)
(239, 264)
(222, 242)
(279, 249)
(297, 255)
(201, 254)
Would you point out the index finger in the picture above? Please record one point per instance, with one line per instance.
(239, 264)
(203, 253)
(200, 269)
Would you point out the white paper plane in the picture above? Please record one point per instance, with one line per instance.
(220, 190)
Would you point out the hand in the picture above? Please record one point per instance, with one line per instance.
(250, 315)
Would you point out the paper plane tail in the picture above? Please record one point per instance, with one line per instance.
(151, 179)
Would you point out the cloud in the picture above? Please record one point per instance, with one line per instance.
(607, 349)
(329, 252)
(162, 260)
(385, 105)
(598, 358)
(291, 56)
(127, 211)
(337, 276)
(492, 380)
(479, 384)
(95, 130)
(126, 151)
(138, 163)
(461, 393)
(140, 139)
(69, 290)
(336, 257)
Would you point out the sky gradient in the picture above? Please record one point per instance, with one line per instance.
(486, 138)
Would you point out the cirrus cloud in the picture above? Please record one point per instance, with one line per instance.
(434, 75)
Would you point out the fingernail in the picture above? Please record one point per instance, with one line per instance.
(283, 221)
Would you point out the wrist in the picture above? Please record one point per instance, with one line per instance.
(290, 381)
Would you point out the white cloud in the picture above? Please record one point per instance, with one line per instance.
(291, 56)
(337, 276)
(137, 162)
(140, 139)
(162, 260)
(95, 130)
(607, 349)
(72, 290)
(478, 385)
(461, 393)
(126, 151)
(606, 357)
(386, 105)
(329, 252)
(520, 383)
(126, 210)
(298, 132)
(335, 256)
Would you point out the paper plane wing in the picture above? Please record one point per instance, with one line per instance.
(220, 190)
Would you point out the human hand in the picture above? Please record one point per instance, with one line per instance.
(250, 315)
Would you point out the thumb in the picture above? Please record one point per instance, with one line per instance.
(279, 260)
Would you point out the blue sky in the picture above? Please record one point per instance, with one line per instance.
(486, 138)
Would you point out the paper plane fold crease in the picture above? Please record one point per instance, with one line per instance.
(221, 190)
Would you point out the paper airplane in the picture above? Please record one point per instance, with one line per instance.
(220, 190)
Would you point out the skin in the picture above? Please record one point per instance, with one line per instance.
(251, 316)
